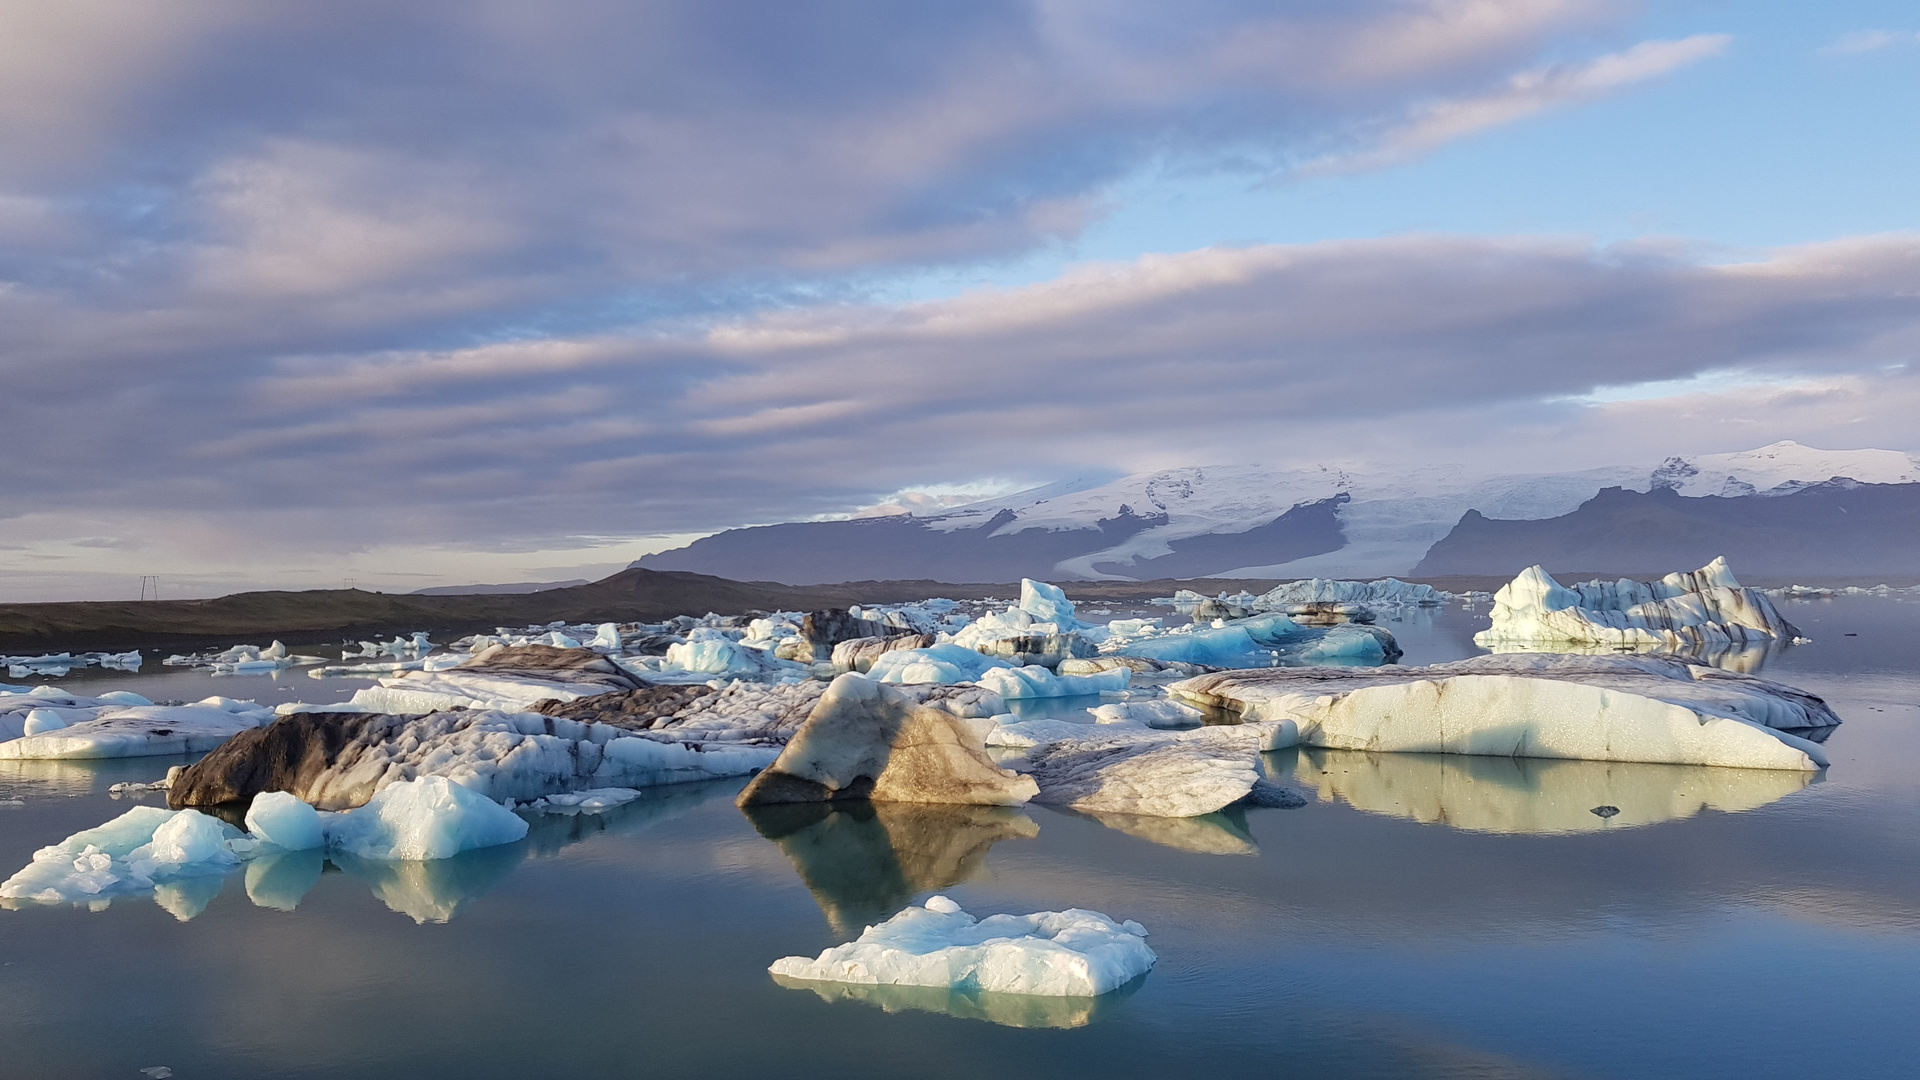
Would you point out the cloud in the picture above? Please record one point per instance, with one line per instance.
(1433, 124)
(1864, 41)
(1352, 350)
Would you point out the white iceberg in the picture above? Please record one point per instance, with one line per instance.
(1152, 773)
(417, 820)
(1705, 609)
(101, 728)
(134, 852)
(1034, 681)
(946, 663)
(1258, 641)
(1386, 592)
(1595, 708)
(282, 820)
(1072, 953)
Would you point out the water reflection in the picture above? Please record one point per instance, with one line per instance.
(1745, 658)
(1008, 1010)
(280, 880)
(1529, 795)
(864, 861)
(434, 891)
(1221, 833)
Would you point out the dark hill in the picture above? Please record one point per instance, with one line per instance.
(1822, 530)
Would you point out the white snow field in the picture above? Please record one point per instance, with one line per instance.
(1391, 517)
(1072, 953)
(1596, 708)
(46, 724)
(1704, 609)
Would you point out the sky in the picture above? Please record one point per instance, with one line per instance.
(412, 294)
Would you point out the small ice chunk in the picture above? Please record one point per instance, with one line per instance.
(1072, 953)
(428, 818)
(283, 820)
(43, 720)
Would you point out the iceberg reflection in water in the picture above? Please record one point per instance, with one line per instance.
(1223, 832)
(1529, 795)
(1008, 1010)
(1741, 658)
(864, 861)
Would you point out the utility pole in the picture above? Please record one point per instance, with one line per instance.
(150, 583)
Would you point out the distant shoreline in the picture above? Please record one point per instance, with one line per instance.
(634, 595)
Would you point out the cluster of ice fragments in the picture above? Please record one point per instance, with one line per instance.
(57, 665)
(148, 847)
(1072, 953)
(1704, 609)
(243, 659)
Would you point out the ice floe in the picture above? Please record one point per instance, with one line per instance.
(243, 659)
(142, 848)
(1151, 773)
(1700, 610)
(57, 665)
(1072, 953)
(117, 724)
(1601, 708)
(1256, 641)
(1386, 592)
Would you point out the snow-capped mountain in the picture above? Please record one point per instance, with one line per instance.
(1241, 520)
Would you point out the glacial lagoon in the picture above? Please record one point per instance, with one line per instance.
(1421, 916)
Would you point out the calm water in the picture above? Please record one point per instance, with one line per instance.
(1443, 917)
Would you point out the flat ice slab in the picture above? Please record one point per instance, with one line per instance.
(1594, 708)
(1072, 953)
(94, 728)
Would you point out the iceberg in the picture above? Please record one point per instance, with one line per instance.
(1259, 641)
(418, 820)
(945, 663)
(104, 728)
(1596, 708)
(865, 740)
(142, 848)
(284, 821)
(499, 677)
(1034, 681)
(1042, 629)
(1072, 953)
(1386, 592)
(1706, 609)
(340, 760)
(1152, 773)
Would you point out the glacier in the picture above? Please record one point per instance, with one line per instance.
(1072, 953)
